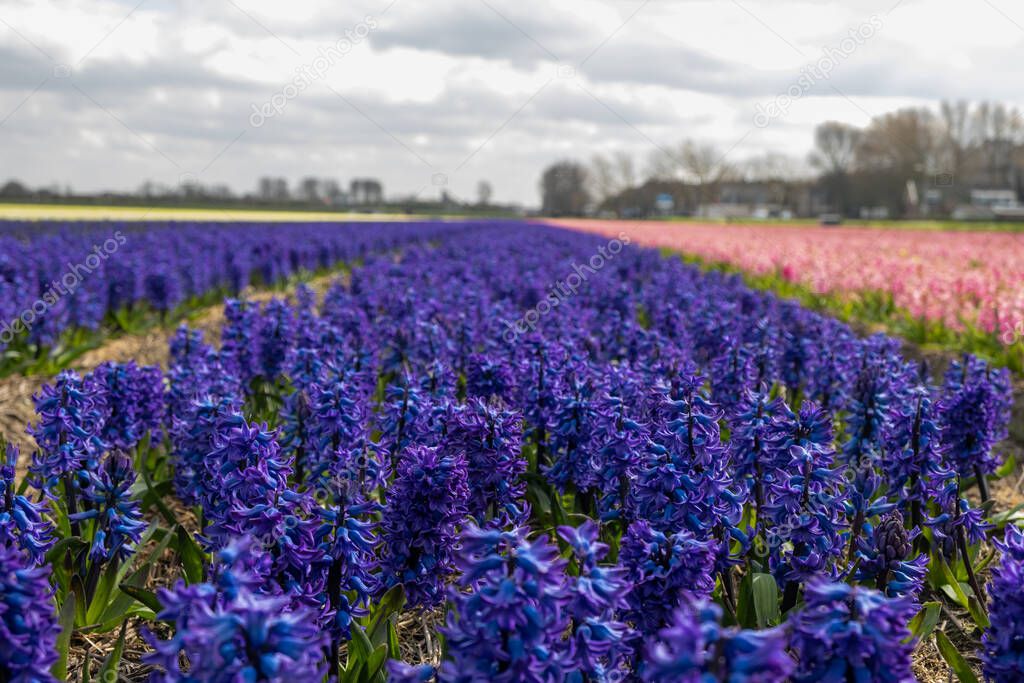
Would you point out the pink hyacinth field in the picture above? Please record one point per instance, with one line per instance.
(961, 279)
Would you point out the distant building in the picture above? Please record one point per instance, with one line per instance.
(993, 199)
(874, 213)
(764, 199)
(664, 204)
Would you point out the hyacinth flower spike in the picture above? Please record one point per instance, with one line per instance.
(1003, 653)
(68, 435)
(23, 523)
(117, 518)
(28, 619)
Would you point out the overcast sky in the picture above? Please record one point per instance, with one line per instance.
(104, 94)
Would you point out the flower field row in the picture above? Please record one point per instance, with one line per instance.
(961, 279)
(58, 278)
(567, 458)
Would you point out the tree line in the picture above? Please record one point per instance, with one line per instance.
(912, 161)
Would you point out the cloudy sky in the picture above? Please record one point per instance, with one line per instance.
(104, 94)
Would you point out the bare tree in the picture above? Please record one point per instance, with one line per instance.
(603, 181)
(309, 189)
(564, 189)
(625, 170)
(956, 119)
(955, 143)
(332, 191)
(699, 164)
(484, 192)
(835, 146)
(704, 163)
(834, 155)
(772, 166)
(904, 141)
(993, 121)
(897, 151)
(611, 176)
(663, 165)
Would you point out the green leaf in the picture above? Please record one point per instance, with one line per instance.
(955, 660)
(136, 611)
(154, 496)
(78, 590)
(55, 555)
(112, 662)
(360, 645)
(86, 665)
(383, 613)
(977, 611)
(353, 671)
(359, 651)
(745, 614)
(766, 600)
(192, 557)
(147, 598)
(1007, 468)
(393, 646)
(67, 627)
(986, 561)
(131, 592)
(951, 586)
(1012, 515)
(375, 664)
(104, 587)
(538, 497)
(558, 515)
(925, 620)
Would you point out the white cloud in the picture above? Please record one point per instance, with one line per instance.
(165, 87)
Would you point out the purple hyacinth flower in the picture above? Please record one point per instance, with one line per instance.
(118, 518)
(846, 633)
(424, 504)
(134, 398)
(28, 619)
(1003, 653)
(491, 440)
(22, 522)
(661, 568)
(400, 672)
(595, 595)
(68, 430)
(236, 634)
(696, 648)
(506, 623)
